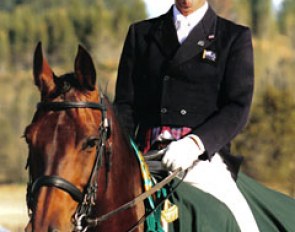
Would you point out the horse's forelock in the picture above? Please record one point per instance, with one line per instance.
(68, 85)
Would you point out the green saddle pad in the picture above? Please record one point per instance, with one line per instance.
(273, 211)
(201, 212)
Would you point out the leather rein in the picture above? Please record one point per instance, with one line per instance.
(82, 220)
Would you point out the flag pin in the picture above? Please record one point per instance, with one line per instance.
(209, 55)
(211, 37)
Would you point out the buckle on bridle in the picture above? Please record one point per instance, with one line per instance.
(78, 223)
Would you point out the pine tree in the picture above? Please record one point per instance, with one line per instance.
(261, 12)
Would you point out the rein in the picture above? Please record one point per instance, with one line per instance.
(141, 197)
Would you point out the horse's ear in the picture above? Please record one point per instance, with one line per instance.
(84, 69)
(43, 75)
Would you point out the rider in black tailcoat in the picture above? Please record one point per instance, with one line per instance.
(205, 83)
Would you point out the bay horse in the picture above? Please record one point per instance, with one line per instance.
(81, 164)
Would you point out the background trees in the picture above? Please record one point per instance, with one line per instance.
(101, 25)
(287, 19)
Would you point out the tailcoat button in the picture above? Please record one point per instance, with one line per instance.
(183, 112)
(164, 110)
(166, 78)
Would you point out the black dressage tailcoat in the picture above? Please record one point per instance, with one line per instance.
(206, 83)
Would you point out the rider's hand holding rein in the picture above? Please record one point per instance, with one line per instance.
(183, 153)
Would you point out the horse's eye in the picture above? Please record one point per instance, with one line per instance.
(90, 143)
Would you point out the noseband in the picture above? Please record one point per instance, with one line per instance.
(86, 198)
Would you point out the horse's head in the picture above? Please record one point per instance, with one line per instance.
(64, 142)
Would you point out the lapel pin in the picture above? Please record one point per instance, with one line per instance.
(201, 43)
(211, 37)
(209, 55)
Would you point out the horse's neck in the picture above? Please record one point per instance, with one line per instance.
(123, 161)
(124, 182)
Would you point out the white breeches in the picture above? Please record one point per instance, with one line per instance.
(214, 178)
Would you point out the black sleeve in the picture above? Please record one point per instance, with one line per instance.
(124, 93)
(236, 94)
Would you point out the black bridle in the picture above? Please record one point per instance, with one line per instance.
(86, 198)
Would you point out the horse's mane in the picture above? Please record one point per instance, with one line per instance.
(65, 81)
(117, 119)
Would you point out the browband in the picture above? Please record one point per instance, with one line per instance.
(67, 105)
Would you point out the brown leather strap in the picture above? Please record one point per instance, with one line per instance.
(94, 222)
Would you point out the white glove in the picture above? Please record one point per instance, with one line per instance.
(183, 153)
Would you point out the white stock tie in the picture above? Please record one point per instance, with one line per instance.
(182, 28)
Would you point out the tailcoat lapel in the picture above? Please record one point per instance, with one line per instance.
(197, 40)
(165, 35)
